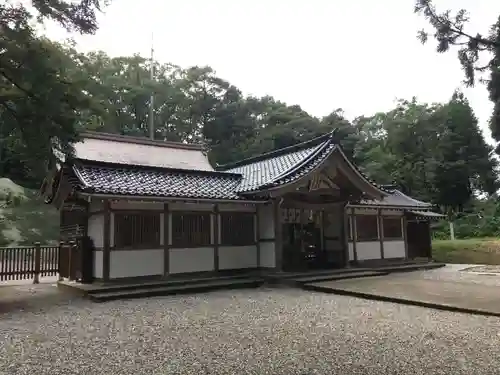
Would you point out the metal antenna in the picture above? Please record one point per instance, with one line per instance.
(151, 101)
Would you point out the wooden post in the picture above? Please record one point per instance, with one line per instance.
(106, 255)
(257, 233)
(354, 229)
(278, 235)
(166, 239)
(70, 260)
(216, 232)
(404, 228)
(380, 222)
(60, 257)
(38, 256)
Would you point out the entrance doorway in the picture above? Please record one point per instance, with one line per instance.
(419, 239)
(302, 248)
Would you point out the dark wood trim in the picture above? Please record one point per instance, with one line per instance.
(354, 229)
(344, 236)
(222, 238)
(216, 234)
(87, 216)
(267, 240)
(380, 222)
(323, 238)
(278, 235)
(392, 239)
(98, 212)
(138, 247)
(166, 240)
(209, 244)
(405, 234)
(106, 256)
(336, 238)
(368, 240)
(156, 245)
(136, 210)
(257, 234)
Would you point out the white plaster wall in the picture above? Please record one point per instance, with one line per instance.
(96, 230)
(266, 221)
(267, 256)
(196, 259)
(351, 251)
(234, 257)
(265, 215)
(368, 250)
(95, 205)
(394, 249)
(98, 264)
(133, 263)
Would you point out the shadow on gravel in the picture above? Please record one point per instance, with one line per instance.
(23, 298)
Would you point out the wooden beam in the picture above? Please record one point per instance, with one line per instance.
(404, 228)
(216, 231)
(380, 222)
(354, 228)
(278, 235)
(257, 234)
(106, 254)
(166, 239)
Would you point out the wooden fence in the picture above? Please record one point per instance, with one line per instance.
(21, 263)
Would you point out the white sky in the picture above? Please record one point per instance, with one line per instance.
(359, 55)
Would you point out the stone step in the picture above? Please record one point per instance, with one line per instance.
(161, 283)
(334, 277)
(175, 289)
(293, 275)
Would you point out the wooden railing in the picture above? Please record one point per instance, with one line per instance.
(21, 263)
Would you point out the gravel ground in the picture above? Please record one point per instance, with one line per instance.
(261, 331)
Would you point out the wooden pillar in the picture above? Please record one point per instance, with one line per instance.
(380, 222)
(278, 235)
(354, 228)
(166, 239)
(257, 233)
(404, 229)
(106, 251)
(344, 235)
(216, 231)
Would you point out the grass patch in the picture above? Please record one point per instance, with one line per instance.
(470, 251)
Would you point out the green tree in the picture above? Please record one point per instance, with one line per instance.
(38, 99)
(477, 52)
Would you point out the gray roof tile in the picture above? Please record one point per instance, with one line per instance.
(125, 180)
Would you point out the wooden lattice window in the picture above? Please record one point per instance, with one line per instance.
(393, 228)
(237, 228)
(366, 227)
(191, 229)
(137, 230)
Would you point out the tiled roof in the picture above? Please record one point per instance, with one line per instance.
(150, 168)
(396, 199)
(112, 148)
(99, 178)
(282, 166)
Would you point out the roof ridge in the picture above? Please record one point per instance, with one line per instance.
(104, 164)
(139, 140)
(278, 152)
(299, 165)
